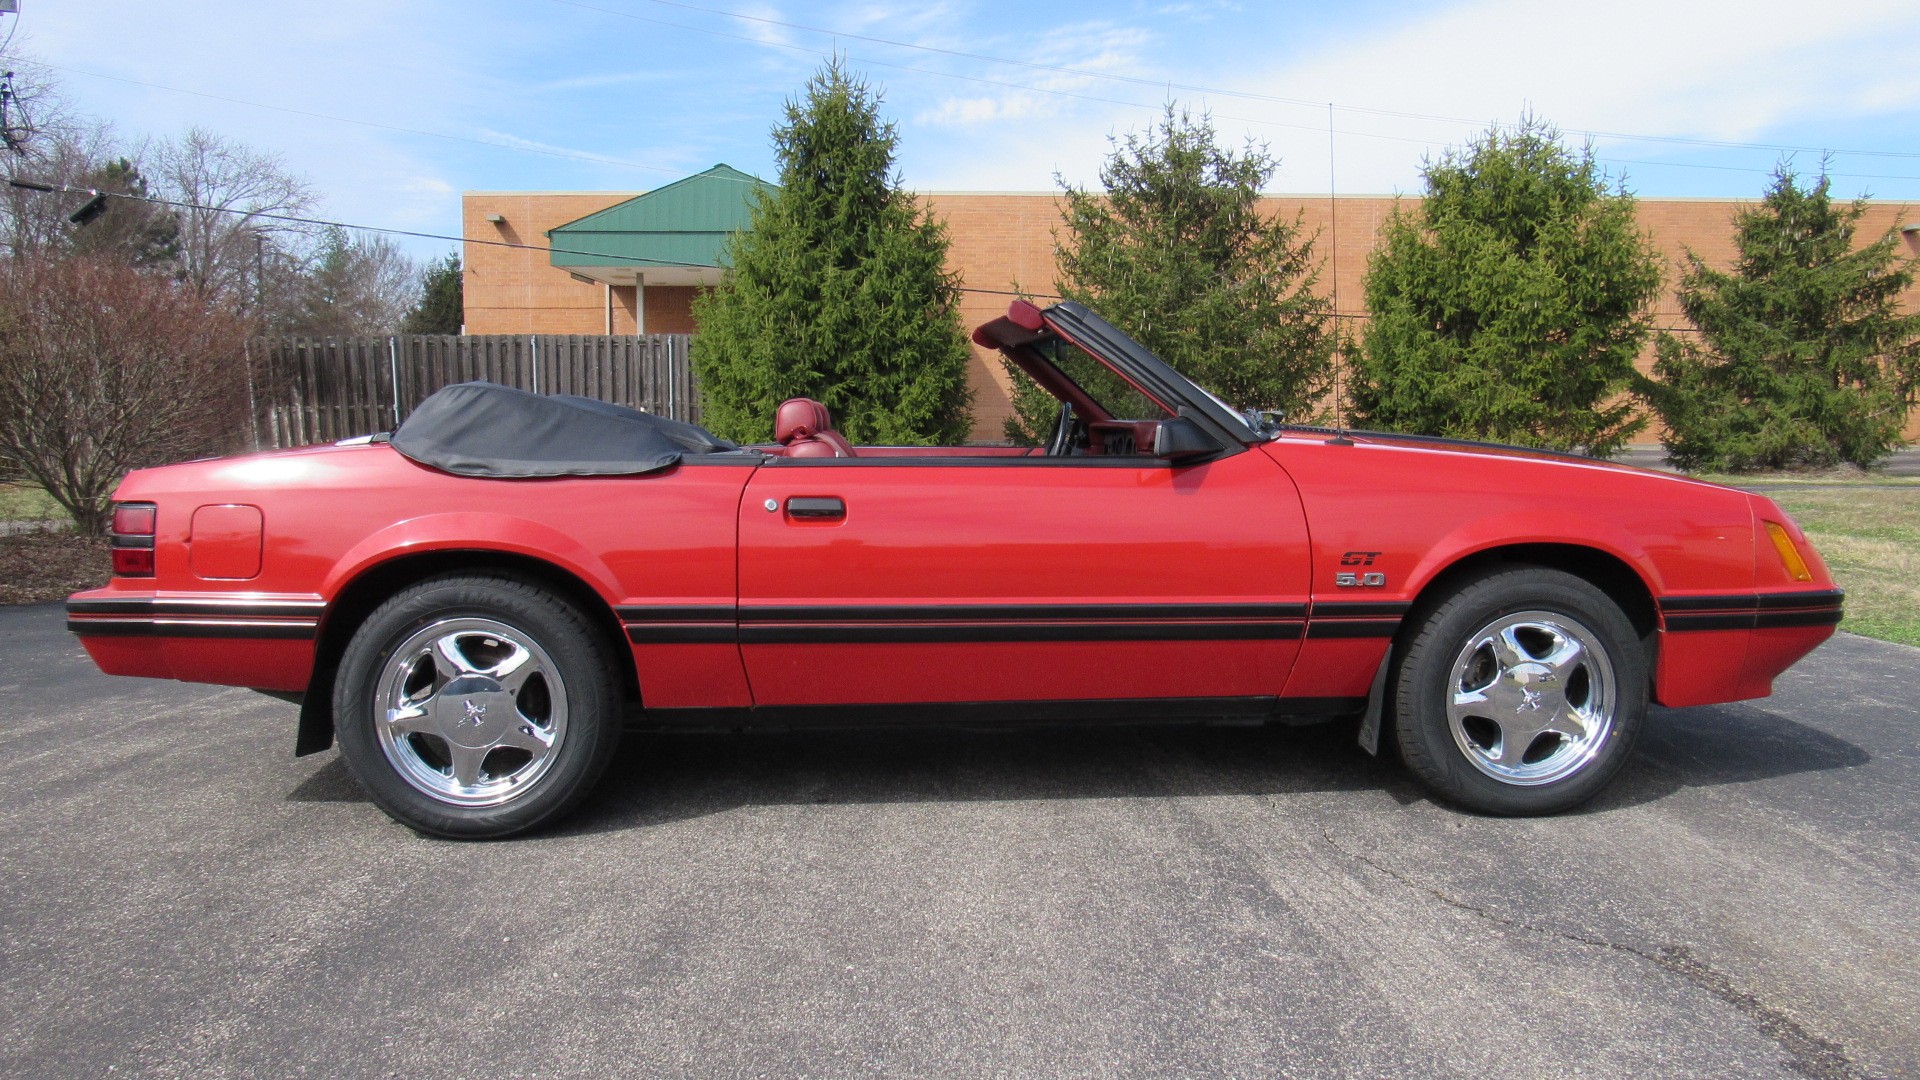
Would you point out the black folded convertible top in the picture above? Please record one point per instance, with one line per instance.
(484, 429)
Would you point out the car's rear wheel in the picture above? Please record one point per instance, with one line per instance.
(1521, 693)
(476, 707)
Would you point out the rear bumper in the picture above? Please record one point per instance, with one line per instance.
(257, 641)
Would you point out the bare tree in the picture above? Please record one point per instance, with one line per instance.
(105, 368)
(59, 147)
(356, 284)
(35, 222)
(228, 186)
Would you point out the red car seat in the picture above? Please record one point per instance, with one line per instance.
(805, 428)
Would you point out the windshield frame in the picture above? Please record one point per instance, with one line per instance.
(1154, 377)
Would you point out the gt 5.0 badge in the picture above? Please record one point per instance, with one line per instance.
(1348, 579)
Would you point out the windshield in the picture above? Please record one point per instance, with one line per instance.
(1161, 379)
(1113, 393)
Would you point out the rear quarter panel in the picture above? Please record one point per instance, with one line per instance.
(331, 514)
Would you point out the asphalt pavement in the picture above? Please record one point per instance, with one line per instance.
(180, 896)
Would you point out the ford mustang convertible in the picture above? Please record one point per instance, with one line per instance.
(476, 606)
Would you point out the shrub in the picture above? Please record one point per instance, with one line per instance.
(105, 368)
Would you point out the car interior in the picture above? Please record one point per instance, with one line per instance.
(1119, 421)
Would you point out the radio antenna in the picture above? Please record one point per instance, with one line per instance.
(1333, 261)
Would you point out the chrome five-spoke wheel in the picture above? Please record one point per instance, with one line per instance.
(473, 711)
(478, 706)
(1520, 691)
(1532, 698)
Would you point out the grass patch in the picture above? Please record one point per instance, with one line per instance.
(1870, 537)
(38, 567)
(27, 502)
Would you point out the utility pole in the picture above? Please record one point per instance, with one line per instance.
(15, 127)
(260, 317)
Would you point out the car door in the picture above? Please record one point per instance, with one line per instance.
(891, 580)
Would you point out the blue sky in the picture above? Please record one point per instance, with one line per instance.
(631, 94)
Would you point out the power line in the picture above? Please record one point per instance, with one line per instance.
(68, 189)
(750, 39)
(1191, 87)
(368, 123)
(299, 220)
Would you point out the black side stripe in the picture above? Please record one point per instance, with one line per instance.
(1823, 598)
(681, 633)
(1356, 618)
(1353, 628)
(187, 628)
(1753, 611)
(1361, 607)
(677, 614)
(956, 623)
(681, 624)
(852, 634)
(1753, 620)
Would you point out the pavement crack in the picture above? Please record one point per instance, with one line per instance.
(1807, 1054)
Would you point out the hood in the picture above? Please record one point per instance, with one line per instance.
(1498, 451)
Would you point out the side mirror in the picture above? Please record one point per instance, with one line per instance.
(1180, 439)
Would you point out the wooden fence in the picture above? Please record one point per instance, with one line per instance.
(310, 390)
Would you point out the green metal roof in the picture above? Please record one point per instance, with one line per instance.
(687, 221)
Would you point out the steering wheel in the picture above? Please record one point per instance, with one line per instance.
(1061, 443)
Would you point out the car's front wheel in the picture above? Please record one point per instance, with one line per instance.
(476, 707)
(1521, 693)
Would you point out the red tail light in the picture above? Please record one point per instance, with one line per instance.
(132, 537)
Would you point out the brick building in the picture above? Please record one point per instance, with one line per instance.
(631, 262)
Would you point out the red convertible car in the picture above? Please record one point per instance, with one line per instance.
(476, 606)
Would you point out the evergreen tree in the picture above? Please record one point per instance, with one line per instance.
(441, 309)
(1176, 252)
(838, 289)
(1802, 356)
(1509, 304)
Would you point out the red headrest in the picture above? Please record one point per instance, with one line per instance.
(800, 417)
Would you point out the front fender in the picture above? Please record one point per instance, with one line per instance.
(1513, 529)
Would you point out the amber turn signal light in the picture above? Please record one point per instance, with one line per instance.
(1789, 553)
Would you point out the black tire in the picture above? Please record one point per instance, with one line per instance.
(1523, 645)
(543, 719)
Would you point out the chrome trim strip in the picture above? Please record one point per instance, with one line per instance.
(234, 607)
(108, 626)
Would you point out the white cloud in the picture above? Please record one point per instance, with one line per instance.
(897, 23)
(1760, 71)
(760, 21)
(1086, 47)
(1720, 70)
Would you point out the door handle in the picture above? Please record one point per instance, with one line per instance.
(816, 508)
